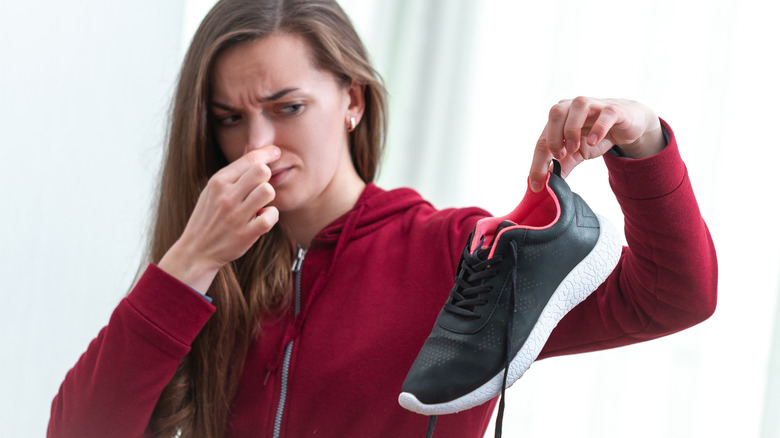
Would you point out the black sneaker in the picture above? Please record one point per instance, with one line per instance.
(518, 276)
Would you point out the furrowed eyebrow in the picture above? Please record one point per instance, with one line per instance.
(276, 96)
(222, 106)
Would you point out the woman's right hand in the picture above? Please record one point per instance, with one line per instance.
(231, 214)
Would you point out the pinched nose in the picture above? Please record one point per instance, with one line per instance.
(260, 133)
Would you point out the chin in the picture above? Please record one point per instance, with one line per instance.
(285, 204)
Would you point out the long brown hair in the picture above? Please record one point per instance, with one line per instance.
(196, 402)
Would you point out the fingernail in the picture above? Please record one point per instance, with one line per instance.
(593, 139)
(535, 186)
(276, 151)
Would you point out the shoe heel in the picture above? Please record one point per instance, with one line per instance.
(583, 280)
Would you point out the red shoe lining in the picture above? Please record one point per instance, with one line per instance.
(536, 211)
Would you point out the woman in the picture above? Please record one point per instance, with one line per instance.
(277, 127)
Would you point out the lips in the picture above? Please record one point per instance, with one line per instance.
(279, 175)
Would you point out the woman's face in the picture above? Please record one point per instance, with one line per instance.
(268, 92)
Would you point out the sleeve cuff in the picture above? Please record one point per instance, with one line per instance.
(170, 304)
(650, 177)
(205, 297)
(618, 151)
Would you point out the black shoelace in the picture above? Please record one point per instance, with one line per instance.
(475, 267)
(467, 294)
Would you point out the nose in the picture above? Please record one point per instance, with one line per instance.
(261, 133)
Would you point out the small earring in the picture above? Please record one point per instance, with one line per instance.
(352, 124)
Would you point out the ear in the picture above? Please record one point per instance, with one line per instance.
(356, 95)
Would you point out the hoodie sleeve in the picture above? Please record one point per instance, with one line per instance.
(666, 279)
(114, 386)
(461, 224)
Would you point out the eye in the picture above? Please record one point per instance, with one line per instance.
(229, 120)
(290, 109)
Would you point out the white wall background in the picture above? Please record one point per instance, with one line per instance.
(84, 88)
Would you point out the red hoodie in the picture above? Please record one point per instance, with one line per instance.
(371, 285)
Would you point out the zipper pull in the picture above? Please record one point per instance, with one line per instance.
(296, 266)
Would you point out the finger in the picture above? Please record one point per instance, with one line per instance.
(575, 121)
(258, 198)
(608, 116)
(540, 164)
(264, 155)
(569, 162)
(265, 220)
(255, 175)
(554, 129)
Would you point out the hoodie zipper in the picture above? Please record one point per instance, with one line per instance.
(296, 269)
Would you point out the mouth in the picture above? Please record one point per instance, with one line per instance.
(279, 175)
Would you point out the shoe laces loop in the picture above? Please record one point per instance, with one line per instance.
(479, 269)
(469, 286)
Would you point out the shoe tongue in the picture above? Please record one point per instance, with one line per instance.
(503, 225)
(482, 254)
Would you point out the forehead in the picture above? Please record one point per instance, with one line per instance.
(265, 65)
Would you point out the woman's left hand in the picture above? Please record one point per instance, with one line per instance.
(583, 128)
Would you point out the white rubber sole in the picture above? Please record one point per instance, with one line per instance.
(586, 277)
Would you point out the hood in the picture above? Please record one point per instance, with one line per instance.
(373, 207)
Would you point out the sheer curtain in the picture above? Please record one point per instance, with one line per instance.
(85, 87)
(708, 71)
